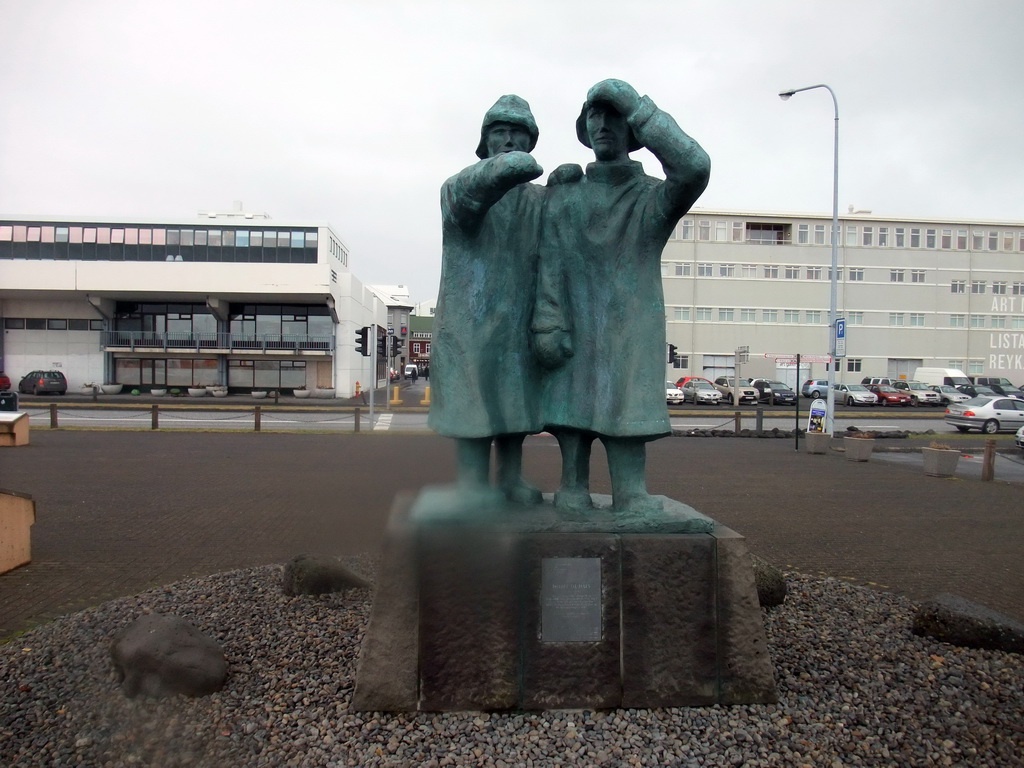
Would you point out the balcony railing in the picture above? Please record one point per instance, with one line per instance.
(216, 342)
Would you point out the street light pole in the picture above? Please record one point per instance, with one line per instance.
(834, 292)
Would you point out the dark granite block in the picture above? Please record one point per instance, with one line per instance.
(745, 668)
(669, 651)
(571, 674)
(387, 677)
(468, 619)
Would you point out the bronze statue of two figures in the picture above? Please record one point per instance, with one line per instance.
(550, 314)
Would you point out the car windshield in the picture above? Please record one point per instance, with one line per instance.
(778, 385)
(985, 391)
(857, 388)
(887, 389)
(916, 385)
(701, 384)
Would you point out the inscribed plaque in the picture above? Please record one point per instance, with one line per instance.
(570, 599)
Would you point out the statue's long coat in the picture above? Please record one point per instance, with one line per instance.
(600, 279)
(483, 374)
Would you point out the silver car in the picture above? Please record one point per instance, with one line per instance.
(989, 414)
(855, 394)
(948, 394)
(701, 391)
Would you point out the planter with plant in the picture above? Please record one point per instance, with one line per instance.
(940, 460)
(859, 445)
(302, 392)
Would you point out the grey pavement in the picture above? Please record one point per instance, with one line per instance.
(123, 511)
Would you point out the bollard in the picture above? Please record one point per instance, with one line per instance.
(395, 399)
(357, 415)
(759, 420)
(53, 416)
(988, 463)
(256, 420)
(426, 396)
(156, 416)
(739, 421)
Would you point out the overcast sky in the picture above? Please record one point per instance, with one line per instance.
(354, 113)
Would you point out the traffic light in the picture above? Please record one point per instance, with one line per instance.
(382, 346)
(361, 341)
(397, 349)
(671, 354)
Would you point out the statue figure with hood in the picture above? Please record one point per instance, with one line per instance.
(599, 322)
(485, 377)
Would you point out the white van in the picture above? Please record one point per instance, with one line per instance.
(411, 370)
(951, 377)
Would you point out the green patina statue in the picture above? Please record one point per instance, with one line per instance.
(486, 379)
(551, 314)
(599, 321)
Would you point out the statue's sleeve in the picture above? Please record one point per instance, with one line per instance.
(687, 166)
(468, 195)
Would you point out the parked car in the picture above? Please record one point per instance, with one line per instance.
(886, 380)
(697, 390)
(774, 392)
(814, 388)
(5, 381)
(999, 385)
(855, 394)
(948, 394)
(746, 393)
(989, 414)
(673, 394)
(889, 395)
(920, 393)
(1020, 438)
(43, 382)
(977, 390)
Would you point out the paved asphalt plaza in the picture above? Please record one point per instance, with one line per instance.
(119, 512)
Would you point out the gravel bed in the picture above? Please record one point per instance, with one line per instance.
(855, 687)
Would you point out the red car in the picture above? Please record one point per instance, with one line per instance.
(889, 396)
(5, 382)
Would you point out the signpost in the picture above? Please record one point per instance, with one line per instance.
(797, 360)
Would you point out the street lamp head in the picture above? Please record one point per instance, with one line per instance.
(786, 94)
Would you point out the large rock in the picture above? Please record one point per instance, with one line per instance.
(160, 655)
(958, 621)
(316, 575)
(770, 583)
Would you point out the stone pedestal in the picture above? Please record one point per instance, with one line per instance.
(504, 607)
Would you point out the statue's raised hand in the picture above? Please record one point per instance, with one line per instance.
(618, 93)
(517, 167)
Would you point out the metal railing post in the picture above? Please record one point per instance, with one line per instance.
(156, 416)
(358, 413)
(53, 416)
(256, 420)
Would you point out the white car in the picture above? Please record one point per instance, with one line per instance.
(1020, 438)
(948, 394)
(920, 394)
(701, 391)
(673, 394)
(855, 394)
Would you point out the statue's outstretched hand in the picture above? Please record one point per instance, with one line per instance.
(552, 348)
(517, 167)
(618, 93)
(567, 173)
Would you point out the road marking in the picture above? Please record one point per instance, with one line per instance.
(383, 422)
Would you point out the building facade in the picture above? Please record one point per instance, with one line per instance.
(913, 293)
(235, 299)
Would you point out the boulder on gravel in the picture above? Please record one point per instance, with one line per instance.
(771, 586)
(958, 621)
(319, 575)
(159, 655)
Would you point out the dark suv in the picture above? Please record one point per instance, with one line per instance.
(43, 382)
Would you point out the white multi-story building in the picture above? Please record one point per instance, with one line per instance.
(236, 299)
(913, 292)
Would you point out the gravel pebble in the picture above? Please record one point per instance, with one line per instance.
(855, 688)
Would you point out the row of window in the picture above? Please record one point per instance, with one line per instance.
(855, 364)
(854, 275)
(240, 238)
(817, 317)
(854, 235)
(51, 324)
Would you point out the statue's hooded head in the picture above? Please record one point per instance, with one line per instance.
(508, 109)
(584, 136)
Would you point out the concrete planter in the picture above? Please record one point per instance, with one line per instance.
(158, 392)
(858, 448)
(111, 389)
(259, 394)
(324, 394)
(940, 462)
(817, 442)
(197, 391)
(302, 394)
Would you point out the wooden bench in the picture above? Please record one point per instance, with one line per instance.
(13, 428)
